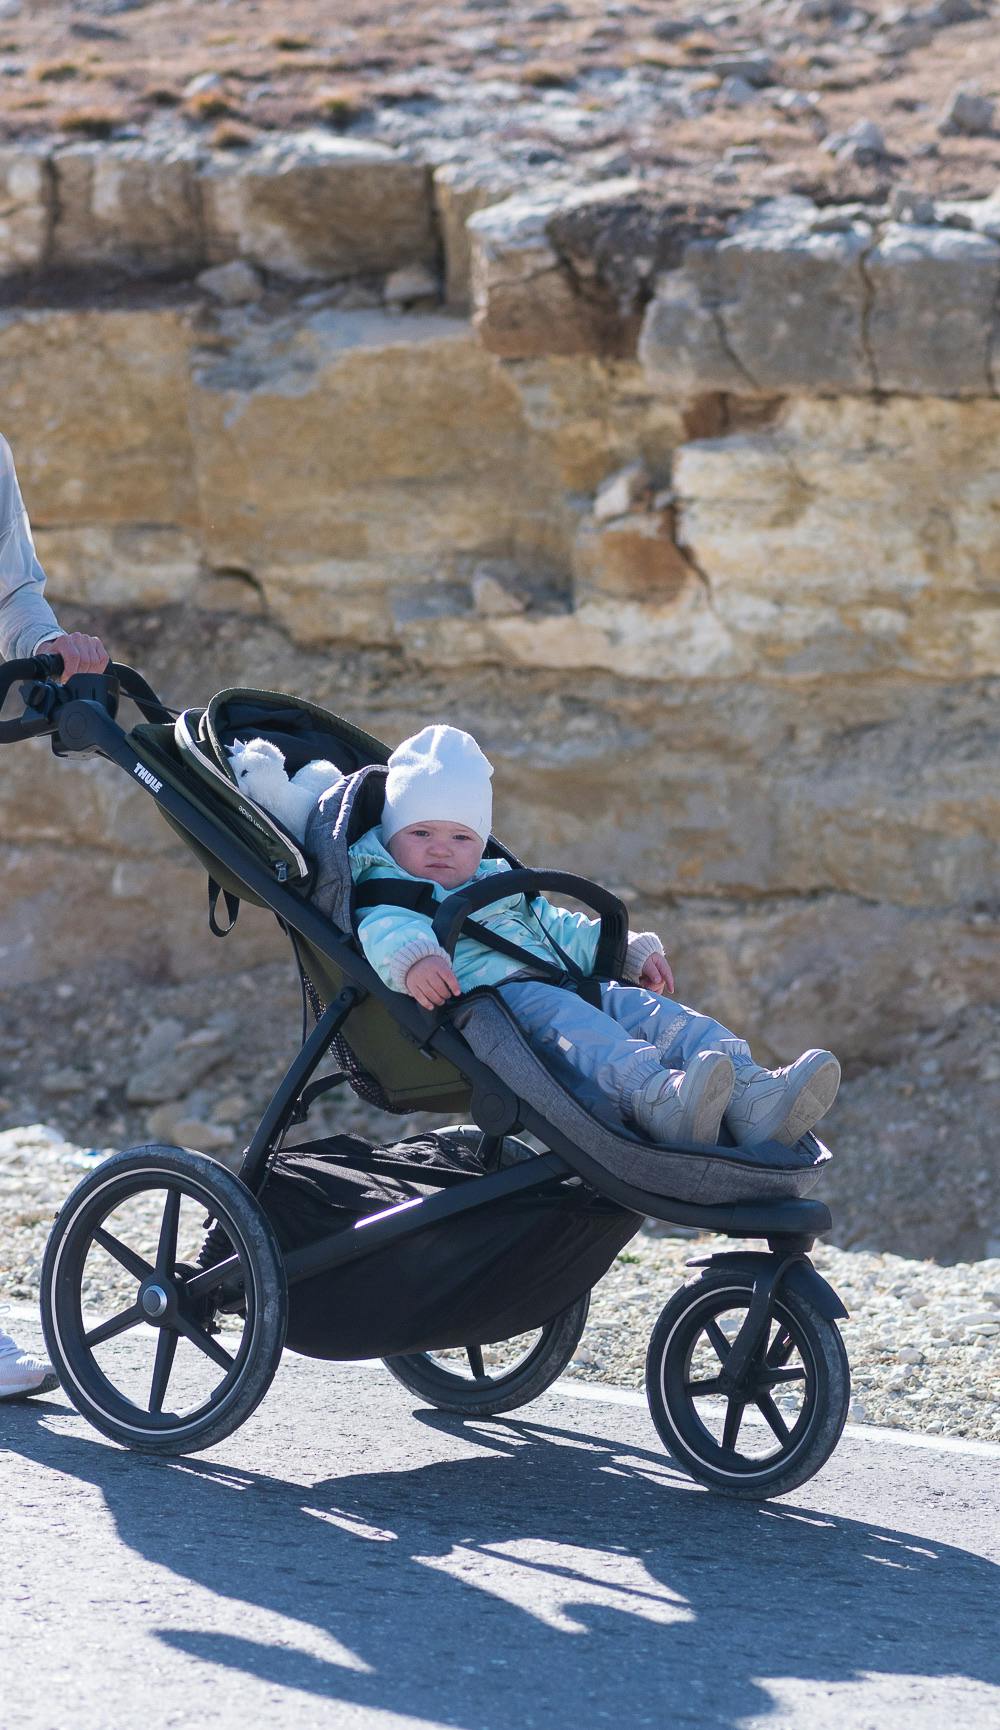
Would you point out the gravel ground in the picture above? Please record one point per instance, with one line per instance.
(924, 1340)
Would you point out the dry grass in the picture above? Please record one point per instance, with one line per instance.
(340, 107)
(542, 76)
(287, 44)
(210, 105)
(91, 122)
(57, 71)
(231, 135)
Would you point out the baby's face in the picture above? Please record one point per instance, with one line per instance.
(446, 853)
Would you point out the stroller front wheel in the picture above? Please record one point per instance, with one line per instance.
(156, 1351)
(767, 1429)
(480, 1381)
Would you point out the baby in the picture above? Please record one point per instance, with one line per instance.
(671, 1073)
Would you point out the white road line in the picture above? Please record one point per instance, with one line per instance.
(858, 1432)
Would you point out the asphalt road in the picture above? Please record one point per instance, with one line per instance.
(349, 1558)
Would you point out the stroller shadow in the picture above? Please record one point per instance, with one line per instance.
(551, 1576)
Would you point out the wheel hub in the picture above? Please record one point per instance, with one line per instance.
(155, 1301)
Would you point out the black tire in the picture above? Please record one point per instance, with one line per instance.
(440, 1380)
(174, 1303)
(771, 1452)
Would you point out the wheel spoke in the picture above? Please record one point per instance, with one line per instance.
(121, 1252)
(166, 1249)
(115, 1325)
(166, 1346)
(772, 1378)
(766, 1405)
(718, 1339)
(200, 1283)
(714, 1386)
(206, 1343)
(780, 1349)
(734, 1418)
(476, 1364)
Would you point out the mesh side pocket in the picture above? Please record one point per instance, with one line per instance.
(361, 1081)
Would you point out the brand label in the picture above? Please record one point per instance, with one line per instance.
(148, 778)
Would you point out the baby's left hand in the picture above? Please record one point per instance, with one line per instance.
(656, 974)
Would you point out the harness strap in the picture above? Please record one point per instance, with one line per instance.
(420, 898)
(232, 908)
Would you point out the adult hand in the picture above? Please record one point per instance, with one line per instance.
(656, 975)
(431, 981)
(80, 654)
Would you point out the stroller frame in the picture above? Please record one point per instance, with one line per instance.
(80, 717)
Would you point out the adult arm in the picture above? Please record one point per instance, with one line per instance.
(27, 622)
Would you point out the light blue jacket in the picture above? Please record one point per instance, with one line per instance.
(26, 619)
(393, 938)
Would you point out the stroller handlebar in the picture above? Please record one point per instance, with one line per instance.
(37, 669)
(613, 914)
(44, 697)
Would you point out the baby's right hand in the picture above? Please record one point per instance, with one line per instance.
(431, 981)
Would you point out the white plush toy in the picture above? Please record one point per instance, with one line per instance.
(260, 771)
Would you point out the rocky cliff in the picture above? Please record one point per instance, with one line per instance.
(690, 513)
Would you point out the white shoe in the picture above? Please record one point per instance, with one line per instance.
(22, 1375)
(684, 1105)
(782, 1104)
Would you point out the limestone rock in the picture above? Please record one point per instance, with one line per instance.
(391, 447)
(539, 287)
(111, 389)
(590, 414)
(932, 320)
(168, 1072)
(617, 495)
(119, 565)
(318, 205)
(777, 306)
(26, 205)
(968, 111)
(411, 282)
(492, 593)
(460, 190)
(634, 557)
(130, 205)
(828, 541)
(233, 284)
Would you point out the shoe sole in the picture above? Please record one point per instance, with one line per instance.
(708, 1100)
(812, 1102)
(47, 1385)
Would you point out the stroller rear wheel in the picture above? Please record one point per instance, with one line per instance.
(766, 1429)
(482, 1380)
(155, 1351)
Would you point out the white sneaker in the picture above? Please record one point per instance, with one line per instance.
(22, 1375)
(683, 1105)
(782, 1104)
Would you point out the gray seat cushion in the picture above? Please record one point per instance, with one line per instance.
(705, 1177)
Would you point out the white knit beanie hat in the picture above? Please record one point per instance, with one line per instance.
(440, 775)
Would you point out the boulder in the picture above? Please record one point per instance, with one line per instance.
(775, 307)
(26, 207)
(460, 189)
(934, 293)
(563, 269)
(833, 541)
(315, 205)
(354, 457)
(130, 206)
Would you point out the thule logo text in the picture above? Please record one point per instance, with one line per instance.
(148, 778)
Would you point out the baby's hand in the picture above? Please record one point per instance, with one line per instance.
(431, 981)
(655, 975)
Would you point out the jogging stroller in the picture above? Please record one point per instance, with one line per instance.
(464, 1258)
